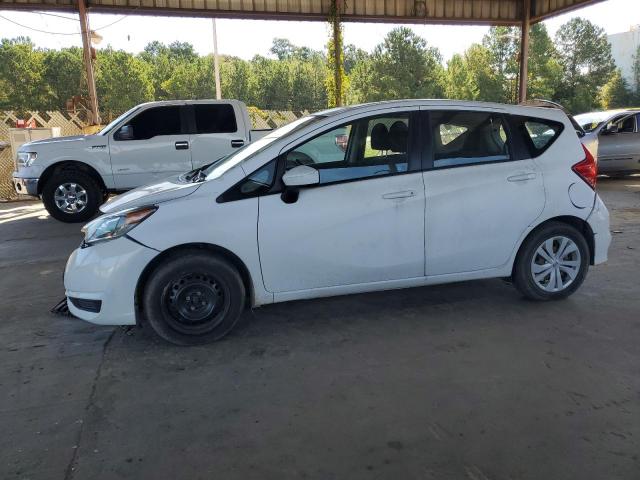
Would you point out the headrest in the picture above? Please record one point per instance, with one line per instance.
(380, 137)
(398, 137)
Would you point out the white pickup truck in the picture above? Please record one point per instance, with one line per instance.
(74, 175)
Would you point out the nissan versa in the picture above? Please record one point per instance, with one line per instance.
(372, 197)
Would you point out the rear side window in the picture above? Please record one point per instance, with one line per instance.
(537, 134)
(467, 138)
(215, 118)
(155, 122)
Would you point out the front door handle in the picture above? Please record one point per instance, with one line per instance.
(403, 194)
(182, 145)
(237, 143)
(521, 177)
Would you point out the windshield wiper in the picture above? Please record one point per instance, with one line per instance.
(198, 174)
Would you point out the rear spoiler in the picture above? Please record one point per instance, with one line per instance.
(536, 102)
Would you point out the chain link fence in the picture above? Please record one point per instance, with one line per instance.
(73, 124)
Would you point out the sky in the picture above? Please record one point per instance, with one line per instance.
(246, 38)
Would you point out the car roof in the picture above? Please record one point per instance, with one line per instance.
(538, 111)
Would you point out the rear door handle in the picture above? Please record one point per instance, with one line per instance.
(182, 145)
(403, 194)
(521, 177)
(237, 143)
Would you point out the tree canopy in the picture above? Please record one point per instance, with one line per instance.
(575, 69)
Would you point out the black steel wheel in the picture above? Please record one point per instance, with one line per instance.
(193, 297)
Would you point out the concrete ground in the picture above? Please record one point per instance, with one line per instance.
(464, 381)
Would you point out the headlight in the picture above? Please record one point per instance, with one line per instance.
(115, 225)
(25, 159)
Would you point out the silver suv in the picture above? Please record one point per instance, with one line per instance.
(613, 137)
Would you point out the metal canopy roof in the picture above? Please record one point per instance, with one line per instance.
(472, 12)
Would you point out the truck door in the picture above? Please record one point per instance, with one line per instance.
(150, 146)
(217, 130)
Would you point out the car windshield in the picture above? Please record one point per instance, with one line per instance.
(113, 123)
(590, 121)
(218, 168)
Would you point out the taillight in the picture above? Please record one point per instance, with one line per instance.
(587, 169)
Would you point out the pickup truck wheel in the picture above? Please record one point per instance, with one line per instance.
(71, 196)
(193, 298)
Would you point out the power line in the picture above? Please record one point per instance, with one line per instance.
(60, 33)
(37, 29)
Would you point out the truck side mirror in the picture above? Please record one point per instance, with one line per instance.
(125, 133)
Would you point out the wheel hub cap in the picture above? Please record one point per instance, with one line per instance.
(70, 197)
(556, 264)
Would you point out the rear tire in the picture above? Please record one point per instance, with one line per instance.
(552, 262)
(72, 196)
(193, 298)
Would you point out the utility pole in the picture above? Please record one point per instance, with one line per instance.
(524, 50)
(216, 65)
(88, 62)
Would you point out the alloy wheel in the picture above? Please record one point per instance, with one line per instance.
(556, 263)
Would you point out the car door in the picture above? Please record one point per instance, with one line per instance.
(480, 196)
(150, 146)
(363, 223)
(620, 151)
(218, 130)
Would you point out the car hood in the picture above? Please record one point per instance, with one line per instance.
(60, 140)
(168, 189)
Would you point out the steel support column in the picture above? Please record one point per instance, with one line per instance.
(524, 50)
(88, 62)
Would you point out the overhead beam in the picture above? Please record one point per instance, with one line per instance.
(457, 12)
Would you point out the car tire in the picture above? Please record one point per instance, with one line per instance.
(552, 262)
(193, 298)
(66, 187)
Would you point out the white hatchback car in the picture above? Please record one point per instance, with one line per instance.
(371, 197)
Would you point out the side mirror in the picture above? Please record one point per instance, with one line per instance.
(610, 130)
(125, 133)
(301, 176)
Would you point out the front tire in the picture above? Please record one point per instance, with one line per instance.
(71, 196)
(193, 298)
(552, 262)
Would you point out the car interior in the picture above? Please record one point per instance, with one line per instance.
(373, 147)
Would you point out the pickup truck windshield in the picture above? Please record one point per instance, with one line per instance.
(219, 168)
(113, 123)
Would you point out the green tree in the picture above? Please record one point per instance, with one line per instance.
(402, 66)
(282, 48)
(307, 85)
(270, 88)
(585, 56)
(122, 81)
(191, 80)
(22, 76)
(615, 93)
(235, 78)
(64, 75)
(471, 76)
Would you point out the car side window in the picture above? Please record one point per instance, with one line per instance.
(258, 183)
(153, 122)
(627, 125)
(215, 118)
(467, 138)
(364, 148)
